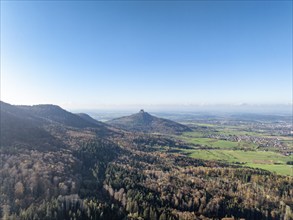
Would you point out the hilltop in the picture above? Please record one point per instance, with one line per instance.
(45, 127)
(54, 113)
(145, 122)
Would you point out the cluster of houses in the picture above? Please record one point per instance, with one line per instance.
(261, 142)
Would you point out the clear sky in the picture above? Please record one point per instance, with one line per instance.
(90, 54)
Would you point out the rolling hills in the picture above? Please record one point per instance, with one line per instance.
(58, 165)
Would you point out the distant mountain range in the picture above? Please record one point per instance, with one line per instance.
(144, 122)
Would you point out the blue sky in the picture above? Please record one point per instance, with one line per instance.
(92, 54)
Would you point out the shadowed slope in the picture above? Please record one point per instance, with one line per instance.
(45, 125)
(18, 127)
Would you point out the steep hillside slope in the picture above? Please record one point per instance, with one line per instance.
(45, 127)
(20, 128)
(89, 119)
(58, 115)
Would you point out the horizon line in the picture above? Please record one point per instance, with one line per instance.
(102, 105)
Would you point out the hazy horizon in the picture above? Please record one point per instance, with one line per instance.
(286, 109)
(168, 53)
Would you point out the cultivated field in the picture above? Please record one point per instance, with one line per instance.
(258, 148)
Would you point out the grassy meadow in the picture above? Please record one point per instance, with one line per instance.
(266, 160)
(242, 152)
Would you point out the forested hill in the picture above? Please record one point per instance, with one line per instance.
(144, 122)
(56, 114)
(53, 168)
(21, 128)
(41, 126)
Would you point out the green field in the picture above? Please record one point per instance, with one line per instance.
(215, 143)
(237, 131)
(271, 161)
(281, 169)
(244, 153)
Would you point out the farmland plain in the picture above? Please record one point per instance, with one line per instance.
(259, 144)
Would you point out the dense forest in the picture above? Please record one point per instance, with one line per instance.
(126, 175)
